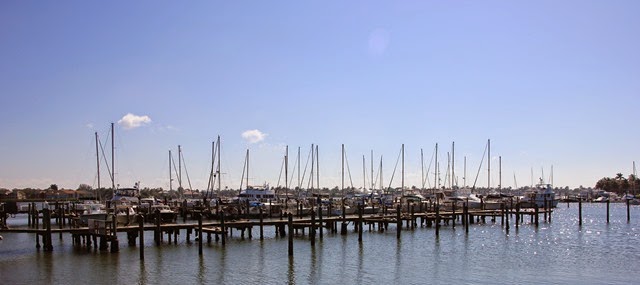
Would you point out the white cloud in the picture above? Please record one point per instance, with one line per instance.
(253, 136)
(131, 121)
(89, 126)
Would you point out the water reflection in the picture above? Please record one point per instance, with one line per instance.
(143, 274)
(201, 270)
(291, 274)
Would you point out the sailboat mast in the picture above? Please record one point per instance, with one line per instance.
(247, 169)
(402, 169)
(113, 166)
(97, 160)
(488, 164)
(372, 170)
(364, 175)
(170, 179)
(500, 174)
(453, 163)
(218, 169)
(313, 158)
(436, 180)
(342, 185)
(422, 169)
(318, 169)
(381, 181)
(299, 185)
(464, 178)
(179, 167)
(286, 172)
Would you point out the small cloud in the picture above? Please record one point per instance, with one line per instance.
(378, 41)
(89, 126)
(131, 121)
(253, 136)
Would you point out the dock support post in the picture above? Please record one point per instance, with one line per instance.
(343, 226)
(607, 211)
(398, 221)
(115, 245)
(628, 213)
(536, 213)
(141, 235)
(360, 210)
(453, 216)
(517, 215)
(507, 225)
(199, 234)
(465, 217)
(47, 223)
(312, 230)
(157, 235)
(224, 229)
(437, 220)
(321, 227)
(580, 212)
(290, 226)
(261, 225)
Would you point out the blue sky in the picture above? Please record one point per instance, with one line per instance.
(549, 82)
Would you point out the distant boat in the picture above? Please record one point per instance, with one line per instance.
(541, 194)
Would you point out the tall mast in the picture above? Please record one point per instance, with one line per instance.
(299, 185)
(318, 168)
(170, 179)
(489, 164)
(453, 163)
(464, 177)
(500, 174)
(402, 169)
(97, 160)
(372, 170)
(364, 175)
(436, 180)
(381, 181)
(286, 171)
(342, 171)
(247, 169)
(113, 166)
(212, 175)
(218, 168)
(422, 169)
(179, 167)
(313, 158)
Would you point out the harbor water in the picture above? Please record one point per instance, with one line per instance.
(560, 252)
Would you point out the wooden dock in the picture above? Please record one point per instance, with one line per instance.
(103, 235)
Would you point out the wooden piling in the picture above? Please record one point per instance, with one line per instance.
(453, 216)
(141, 235)
(321, 227)
(224, 229)
(312, 230)
(437, 220)
(628, 213)
(115, 245)
(290, 226)
(580, 212)
(360, 210)
(607, 211)
(507, 224)
(465, 216)
(200, 234)
(399, 222)
(48, 246)
(261, 225)
(536, 213)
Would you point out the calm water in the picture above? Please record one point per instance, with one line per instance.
(556, 253)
